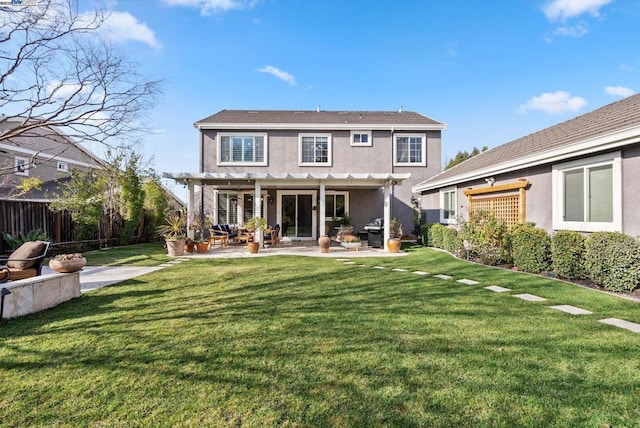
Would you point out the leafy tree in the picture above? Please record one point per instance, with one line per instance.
(156, 204)
(463, 156)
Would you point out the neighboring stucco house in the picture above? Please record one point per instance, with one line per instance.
(42, 152)
(582, 174)
(300, 169)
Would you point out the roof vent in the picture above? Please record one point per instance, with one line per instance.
(400, 111)
(318, 109)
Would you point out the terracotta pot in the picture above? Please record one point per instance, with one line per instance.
(324, 242)
(175, 247)
(189, 247)
(66, 266)
(202, 247)
(253, 247)
(393, 245)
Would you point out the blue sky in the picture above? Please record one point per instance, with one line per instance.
(492, 71)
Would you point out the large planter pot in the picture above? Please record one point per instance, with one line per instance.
(350, 245)
(253, 247)
(394, 245)
(67, 266)
(324, 242)
(175, 247)
(202, 247)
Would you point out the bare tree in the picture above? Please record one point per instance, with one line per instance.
(59, 75)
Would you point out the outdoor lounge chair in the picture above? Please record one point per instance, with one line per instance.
(25, 262)
(218, 234)
(272, 235)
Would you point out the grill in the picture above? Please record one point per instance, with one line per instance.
(374, 229)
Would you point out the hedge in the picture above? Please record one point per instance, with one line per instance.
(612, 260)
(452, 242)
(568, 254)
(436, 232)
(530, 248)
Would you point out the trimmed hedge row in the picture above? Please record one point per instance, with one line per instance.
(610, 259)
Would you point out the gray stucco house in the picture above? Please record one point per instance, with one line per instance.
(582, 174)
(300, 169)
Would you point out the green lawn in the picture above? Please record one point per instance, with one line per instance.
(151, 254)
(299, 341)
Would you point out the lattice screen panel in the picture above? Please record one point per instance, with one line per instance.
(505, 208)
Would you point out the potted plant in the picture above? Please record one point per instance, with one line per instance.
(201, 246)
(350, 242)
(189, 245)
(174, 232)
(66, 263)
(255, 225)
(395, 233)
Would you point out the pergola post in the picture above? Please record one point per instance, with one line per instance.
(323, 207)
(190, 210)
(387, 213)
(257, 208)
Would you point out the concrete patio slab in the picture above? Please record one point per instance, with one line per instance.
(530, 297)
(571, 310)
(627, 325)
(441, 276)
(94, 277)
(468, 281)
(497, 289)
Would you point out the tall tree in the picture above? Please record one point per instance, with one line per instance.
(57, 72)
(463, 156)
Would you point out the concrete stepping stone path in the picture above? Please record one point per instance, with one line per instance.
(379, 267)
(399, 270)
(530, 297)
(419, 272)
(627, 325)
(441, 276)
(468, 281)
(571, 310)
(349, 263)
(497, 289)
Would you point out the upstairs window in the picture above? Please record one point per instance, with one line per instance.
(237, 149)
(315, 149)
(410, 150)
(21, 166)
(62, 166)
(361, 139)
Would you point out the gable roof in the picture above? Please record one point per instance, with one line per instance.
(608, 127)
(307, 119)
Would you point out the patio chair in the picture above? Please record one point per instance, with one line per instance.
(272, 235)
(25, 262)
(218, 234)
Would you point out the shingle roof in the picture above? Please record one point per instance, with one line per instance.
(611, 118)
(318, 117)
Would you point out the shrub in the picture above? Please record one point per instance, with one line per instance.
(568, 254)
(20, 238)
(484, 235)
(452, 242)
(612, 260)
(530, 248)
(424, 233)
(436, 232)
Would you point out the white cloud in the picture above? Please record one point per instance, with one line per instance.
(123, 26)
(282, 75)
(212, 6)
(560, 10)
(57, 89)
(619, 91)
(553, 103)
(575, 31)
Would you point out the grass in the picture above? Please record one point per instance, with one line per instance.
(298, 341)
(151, 254)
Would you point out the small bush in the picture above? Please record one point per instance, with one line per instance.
(484, 235)
(612, 260)
(530, 248)
(424, 233)
(452, 242)
(568, 254)
(436, 232)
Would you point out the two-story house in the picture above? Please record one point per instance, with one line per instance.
(301, 169)
(41, 152)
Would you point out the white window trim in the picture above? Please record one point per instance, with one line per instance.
(614, 159)
(424, 150)
(346, 202)
(24, 172)
(444, 220)
(329, 150)
(62, 166)
(265, 136)
(367, 144)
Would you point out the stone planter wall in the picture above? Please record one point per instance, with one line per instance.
(38, 293)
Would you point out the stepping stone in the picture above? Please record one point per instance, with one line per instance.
(530, 297)
(441, 276)
(349, 263)
(468, 281)
(419, 272)
(165, 265)
(342, 260)
(631, 326)
(399, 270)
(362, 265)
(175, 262)
(571, 310)
(497, 289)
(379, 267)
